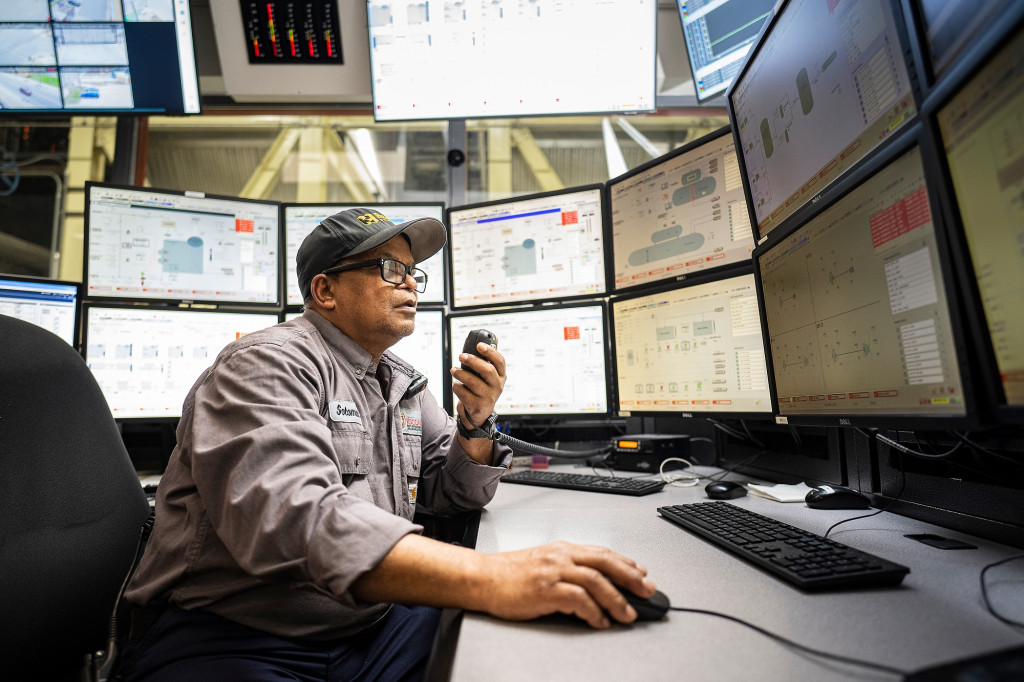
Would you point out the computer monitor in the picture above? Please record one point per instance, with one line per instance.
(950, 27)
(147, 359)
(693, 349)
(151, 244)
(547, 246)
(718, 36)
(300, 219)
(679, 214)
(825, 84)
(48, 303)
(424, 350)
(980, 128)
(859, 318)
(556, 358)
(483, 58)
(93, 56)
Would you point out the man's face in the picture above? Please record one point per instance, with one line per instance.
(374, 313)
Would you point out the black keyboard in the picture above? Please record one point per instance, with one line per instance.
(802, 558)
(597, 484)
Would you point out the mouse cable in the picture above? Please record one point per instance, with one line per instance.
(796, 645)
(984, 592)
(894, 500)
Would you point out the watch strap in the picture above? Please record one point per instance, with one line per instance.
(483, 431)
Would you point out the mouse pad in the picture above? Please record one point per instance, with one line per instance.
(940, 542)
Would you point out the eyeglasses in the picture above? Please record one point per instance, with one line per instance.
(391, 271)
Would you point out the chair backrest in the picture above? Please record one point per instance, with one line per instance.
(71, 506)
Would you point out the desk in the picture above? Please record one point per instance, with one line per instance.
(936, 615)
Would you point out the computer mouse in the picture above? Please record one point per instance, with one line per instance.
(836, 497)
(724, 490)
(650, 608)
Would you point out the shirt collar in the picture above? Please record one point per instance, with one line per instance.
(358, 359)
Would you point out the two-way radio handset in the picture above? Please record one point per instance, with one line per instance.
(478, 336)
(483, 336)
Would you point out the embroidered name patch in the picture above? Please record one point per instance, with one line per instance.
(344, 411)
(412, 422)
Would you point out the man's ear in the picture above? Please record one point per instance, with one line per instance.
(322, 292)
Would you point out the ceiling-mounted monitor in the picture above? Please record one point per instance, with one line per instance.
(97, 56)
(824, 85)
(503, 58)
(718, 35)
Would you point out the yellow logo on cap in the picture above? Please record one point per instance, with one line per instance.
(371, 218)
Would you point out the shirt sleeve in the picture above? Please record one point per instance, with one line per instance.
(264, 465)
(452, 481)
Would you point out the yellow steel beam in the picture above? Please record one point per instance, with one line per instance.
(348, 170)
(499, 160)
(535, 158)
(312, 173)
(267, 173)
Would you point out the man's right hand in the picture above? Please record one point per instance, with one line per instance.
(529, 583)
(563, 578)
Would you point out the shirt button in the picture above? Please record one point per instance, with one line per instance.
(359, 372)
(357, 461)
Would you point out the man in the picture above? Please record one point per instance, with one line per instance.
(284, 546)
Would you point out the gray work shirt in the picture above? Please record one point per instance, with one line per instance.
(297, 469)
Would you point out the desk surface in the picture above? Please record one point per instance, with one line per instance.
(937, 615)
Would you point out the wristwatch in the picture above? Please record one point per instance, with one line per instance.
(483, 431)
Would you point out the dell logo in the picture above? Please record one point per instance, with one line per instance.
(845, 422)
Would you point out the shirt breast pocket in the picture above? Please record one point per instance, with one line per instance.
(411, 454)
(352, 450)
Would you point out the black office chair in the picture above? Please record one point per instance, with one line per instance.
(72, 512)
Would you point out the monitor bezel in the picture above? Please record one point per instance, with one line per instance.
(219, 303)
(602, 212)
(472, 116)
(609, 241)
(133, 111)
(986, 372)
(720, 274)
(32, 279)
(90, 304)
(342, 205)
(902, 32)
(453, 344)
(881, 157)
(1003, 13)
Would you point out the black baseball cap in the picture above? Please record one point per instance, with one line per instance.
(358, 230)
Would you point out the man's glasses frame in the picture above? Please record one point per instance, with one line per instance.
(392, 271)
